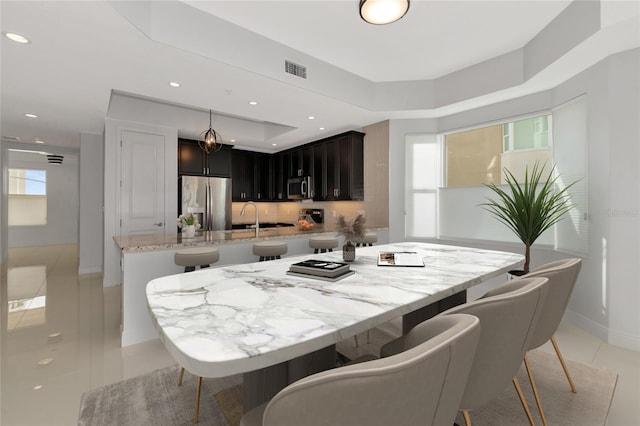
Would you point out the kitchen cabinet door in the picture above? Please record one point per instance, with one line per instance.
(190, 158)
(219, 163)
(242, 175)
(319, 171)
(338, 169)
(281, 175)
(264, 177)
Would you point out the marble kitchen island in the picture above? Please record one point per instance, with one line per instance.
(145, 257)
(276, 328)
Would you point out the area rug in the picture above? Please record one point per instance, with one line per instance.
(155, 399)
(588, 407)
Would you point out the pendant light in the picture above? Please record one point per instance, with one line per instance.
(209, 138)
(380, 12)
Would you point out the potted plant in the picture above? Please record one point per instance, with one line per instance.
(529, 208)
(350, 231)
(189, 223)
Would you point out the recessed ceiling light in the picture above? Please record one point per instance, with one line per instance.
(274, 144)
(232, 140)
(28, 114)
(311, 117)
(174, 84)
(45, 361)
(253, 103)
(39, 141)
(17, 38)
(38, 387)
(320, 128)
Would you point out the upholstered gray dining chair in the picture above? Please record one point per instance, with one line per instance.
(507, 323)
(562, 276)
(422, 385)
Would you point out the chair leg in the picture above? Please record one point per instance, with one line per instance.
(467, 417)
(315, 251)
(197, 408)
(181, 376)
(523, 401)
(564, 366)
(535, 390)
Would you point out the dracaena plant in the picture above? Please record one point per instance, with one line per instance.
(531, 207)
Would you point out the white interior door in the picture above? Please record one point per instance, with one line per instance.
(142, 184)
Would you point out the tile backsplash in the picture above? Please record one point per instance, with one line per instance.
(288, 211)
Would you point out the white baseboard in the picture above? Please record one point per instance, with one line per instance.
(90, 270)
(612, 337)
(624, 340)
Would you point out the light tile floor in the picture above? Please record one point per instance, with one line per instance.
(43, 374)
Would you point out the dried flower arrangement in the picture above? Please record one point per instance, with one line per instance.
(352, 230)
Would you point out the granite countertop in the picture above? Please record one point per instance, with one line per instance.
(153, 242)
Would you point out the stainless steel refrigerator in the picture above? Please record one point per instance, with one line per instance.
(209, 198)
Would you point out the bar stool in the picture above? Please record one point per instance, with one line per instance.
(190, 258)
(270, 250)
(323, 244)
(196, 256)
(368, 240)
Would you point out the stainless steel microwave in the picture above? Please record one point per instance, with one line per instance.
(299, 188)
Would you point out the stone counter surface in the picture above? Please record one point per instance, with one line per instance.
(153, 242)
(239, 318)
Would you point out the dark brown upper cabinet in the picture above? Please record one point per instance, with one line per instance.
(192, 160)
(339, 172)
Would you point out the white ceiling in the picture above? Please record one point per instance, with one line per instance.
(81, 53)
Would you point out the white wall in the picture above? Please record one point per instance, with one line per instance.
(605, 299)
(62, 201)
(90, 238)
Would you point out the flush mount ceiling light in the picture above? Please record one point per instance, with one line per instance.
(380, 12)
(54, 158)
(30, 115)
(209, 142)
(174, 84)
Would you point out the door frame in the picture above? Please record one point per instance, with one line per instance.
(112, 274)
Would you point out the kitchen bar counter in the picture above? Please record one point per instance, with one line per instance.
(146, 257)
(203, 238)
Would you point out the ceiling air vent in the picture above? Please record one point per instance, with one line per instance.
(295, 69)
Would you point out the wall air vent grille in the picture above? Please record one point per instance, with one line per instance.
(55, 158)
(295, 69)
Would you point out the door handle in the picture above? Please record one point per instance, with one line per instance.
(158, 224)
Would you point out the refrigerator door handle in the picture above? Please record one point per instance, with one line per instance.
(205, 216)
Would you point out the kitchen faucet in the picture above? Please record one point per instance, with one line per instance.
(256, 207)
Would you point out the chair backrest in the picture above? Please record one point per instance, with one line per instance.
(422, 385)
(562, 276)
(507, 323)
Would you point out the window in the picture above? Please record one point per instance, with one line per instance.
(27, 197)
(476, 157)
(421, 183)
